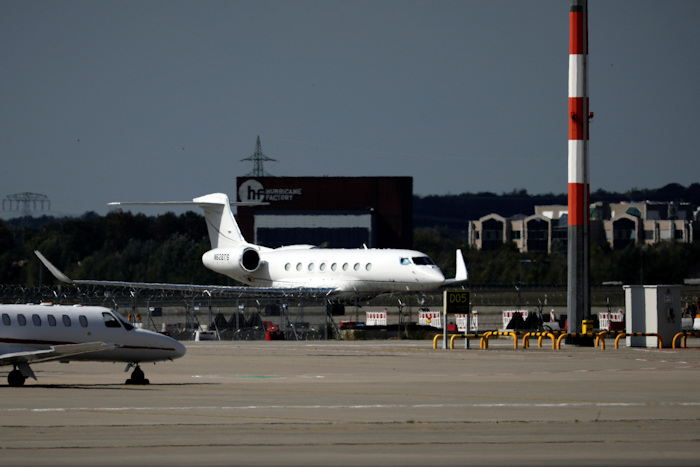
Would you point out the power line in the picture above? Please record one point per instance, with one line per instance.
(29, 202)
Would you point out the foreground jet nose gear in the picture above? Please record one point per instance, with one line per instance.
(137, 376)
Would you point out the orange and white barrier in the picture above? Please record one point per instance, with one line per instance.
(376, 318)
(430, 318)
(461, 320)
(613, 321)
(508, 315)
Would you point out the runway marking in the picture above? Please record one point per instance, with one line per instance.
(358, 407)
(260, 376)
(481, 375)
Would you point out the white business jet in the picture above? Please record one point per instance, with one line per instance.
(46, 332)
(337, 273)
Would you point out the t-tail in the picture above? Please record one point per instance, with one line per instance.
(230, 253)
(221, 225)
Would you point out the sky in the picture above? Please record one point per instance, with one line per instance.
(160, 100)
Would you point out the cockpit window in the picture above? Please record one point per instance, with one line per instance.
(405, 261)
(110, 321)
(127, 325)
(422, 261)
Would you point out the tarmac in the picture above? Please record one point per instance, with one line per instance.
(388, 403)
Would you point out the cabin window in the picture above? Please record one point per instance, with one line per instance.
(83, 321)
(37, 320)
(21, 319)
(368, 266)
(66, 321)
(299, 266)
(6, 319)
(357, 266)
(345, 267)
(110, 321)
(405, 261)
(322, 267)
(287, 267)
(334, 266)
(51, 320)
(311, 267)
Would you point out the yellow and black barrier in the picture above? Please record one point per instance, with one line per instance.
(466, 336)
(573, 334)
(638, 334)
(461, 336)
(540, 336)
(685, 336)
(513, 334)
(600, 337)
(557, 337)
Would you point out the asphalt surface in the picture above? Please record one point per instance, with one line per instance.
(363, 403)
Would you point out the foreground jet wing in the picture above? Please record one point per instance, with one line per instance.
(192, 287)
(56, 352)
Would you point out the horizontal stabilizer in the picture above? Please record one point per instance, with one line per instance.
(183, 203)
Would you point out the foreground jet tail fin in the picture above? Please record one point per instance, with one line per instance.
(461, 273)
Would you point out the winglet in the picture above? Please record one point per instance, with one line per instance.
(461, 274)
(54, 270)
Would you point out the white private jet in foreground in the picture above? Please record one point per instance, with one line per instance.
(338, 273)
(45, 333)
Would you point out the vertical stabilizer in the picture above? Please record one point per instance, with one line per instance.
(222, 227)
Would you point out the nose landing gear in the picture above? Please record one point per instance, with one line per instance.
(137, 376)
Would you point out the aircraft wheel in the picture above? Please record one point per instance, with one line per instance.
(15, 379)
(137, 377)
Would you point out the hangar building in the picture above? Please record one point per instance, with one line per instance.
(334, 212)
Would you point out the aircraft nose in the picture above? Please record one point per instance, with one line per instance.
(439, 276)
(180, 349)
(169, 347)
(434, 276)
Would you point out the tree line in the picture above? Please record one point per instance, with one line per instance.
(120, 246)
(168, 248)
(455, 211)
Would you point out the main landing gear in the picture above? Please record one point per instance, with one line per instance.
(137, 376)
(15, 378)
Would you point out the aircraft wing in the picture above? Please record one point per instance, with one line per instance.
(268, 291)
(461, 273)
(56, 352)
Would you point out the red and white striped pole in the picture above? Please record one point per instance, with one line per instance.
(578, 293)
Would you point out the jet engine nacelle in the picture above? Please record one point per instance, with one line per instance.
(232, 261)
